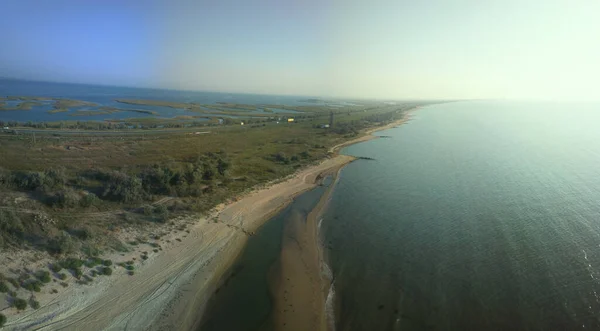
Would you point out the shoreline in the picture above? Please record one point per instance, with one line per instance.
(302, 280)
(170, 291)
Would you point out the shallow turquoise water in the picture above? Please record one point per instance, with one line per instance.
(479, 215)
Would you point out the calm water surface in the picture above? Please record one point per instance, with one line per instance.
(106, 95)
(480, 215)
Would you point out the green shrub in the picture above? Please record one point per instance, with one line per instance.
(62, 276)
(3, 287)
(77, 273)
(107, 263)
(61, 244)
(147, 210)
(72, 263)
(56, 267)
(2, 320)
(66, 198)
(88, 200)
(123, 188)
(20, 304)
(32, 286)
(161, 210)
(43, 275)
(106, 271)
(34, 304)
(92, 262)
(130, 267)
(14, 282)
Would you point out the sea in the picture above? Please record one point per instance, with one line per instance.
(473, 216)
(480, 215)
(107, 95)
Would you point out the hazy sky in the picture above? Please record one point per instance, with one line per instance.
(382, 49)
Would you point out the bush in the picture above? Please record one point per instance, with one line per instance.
(77, 273)
(61, 244)
(88, 200)
(34, 304)
(11, 224)
(32, 286)
(20, 304)
(72, 263)
(107, 263)
(2, 320)
(129, 267)
(65, 199)
(106, 271)
(28, 180)
(124, 188)
(147, 209)
(14, 282)
(56, 267)
(43, 275)
(55, 178)
(62, 276)
(3, 287)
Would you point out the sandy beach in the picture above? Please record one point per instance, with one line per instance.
(169, 290)
(299, 285)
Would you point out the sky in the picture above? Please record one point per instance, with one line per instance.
(430, 49)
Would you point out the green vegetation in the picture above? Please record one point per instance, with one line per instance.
(84, 187)
(2, 320)
(3, 287)
(19, 303)
(56, 267)
(43, 276)
(33, 285)
(62, 276)
(34, 304)
(106, 271)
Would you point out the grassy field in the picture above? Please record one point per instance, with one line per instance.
(115, 178)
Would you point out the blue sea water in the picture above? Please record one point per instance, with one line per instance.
(106, 95)
(473, 216)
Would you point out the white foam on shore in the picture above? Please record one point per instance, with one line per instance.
(330, 307)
